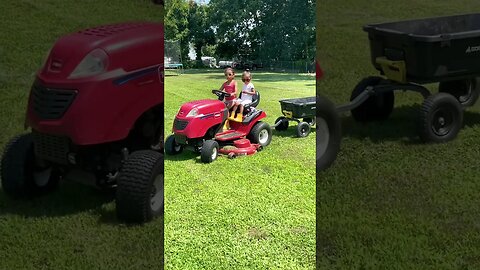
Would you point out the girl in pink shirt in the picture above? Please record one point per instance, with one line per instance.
(230, 87)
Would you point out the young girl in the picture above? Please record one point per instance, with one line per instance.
(230, 87)
(248, 91)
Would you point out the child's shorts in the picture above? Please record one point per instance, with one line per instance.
(244, 102)
(230, 103)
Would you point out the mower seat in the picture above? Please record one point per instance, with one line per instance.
(255, 101)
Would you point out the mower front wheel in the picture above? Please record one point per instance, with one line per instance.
(261, 134)
(22, 175)
(172, 147)
(209, 151)
(328, 133)
(140, 194)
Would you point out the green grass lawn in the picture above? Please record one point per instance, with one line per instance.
(255, 212)
(391, 202)
(75, 227)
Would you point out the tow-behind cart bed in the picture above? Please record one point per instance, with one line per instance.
(415, 52)
(295, 109)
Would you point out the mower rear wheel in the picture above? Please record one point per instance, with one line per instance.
(377, 107)
(172, 147)
(22, 175)
(140, 195)
(303, 129)
(441, 118)
(283, 125)
(261, 133)
(209, 151)
(465, 91)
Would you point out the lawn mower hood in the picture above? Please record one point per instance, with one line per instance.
(195, 118)
(97, 82)
(103, 50)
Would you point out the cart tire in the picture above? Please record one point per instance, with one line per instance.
(283, 125)
(310, 121)
(172, 147)
(209, 151)
(465, 91)
(377, 107)
(261, 133)
(21, 178)
(303, 129)
(328, 133)
(441, 118)
(140, 192)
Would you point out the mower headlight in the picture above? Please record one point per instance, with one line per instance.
(193, 113)
(93, 64)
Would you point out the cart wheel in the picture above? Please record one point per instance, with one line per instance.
(261, 134)
(441, 118)
(139, 195)
(283, 125)
(465, 91)
(328, 133)
(310, 121)
(172, 147)
(209, 151)
(377, 107)
(21, 174)
(303, 129)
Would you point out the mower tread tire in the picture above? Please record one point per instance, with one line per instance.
(209, 147)
(254, 135)
(326, 111)
(135, 186)
(171, 146)
(17, 166)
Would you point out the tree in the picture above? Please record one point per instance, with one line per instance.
(200, 31)
(176, 22)
(268, 29)
(248, 29)
(236, 24)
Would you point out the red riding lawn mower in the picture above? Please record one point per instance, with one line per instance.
(96, 115)
(200, 125)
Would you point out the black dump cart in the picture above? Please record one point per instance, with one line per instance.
(295, 109)
(444, 50)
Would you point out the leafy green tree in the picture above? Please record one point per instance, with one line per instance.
(200, 31)
(249, 29)
(176, 22)
(269, 29)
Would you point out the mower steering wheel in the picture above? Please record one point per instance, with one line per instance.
(220, 94)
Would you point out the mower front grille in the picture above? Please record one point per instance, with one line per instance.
(51, 148)
(180, 124)
(51, 103)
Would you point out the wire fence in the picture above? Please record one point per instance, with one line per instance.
(299, 66)
(176, 62)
